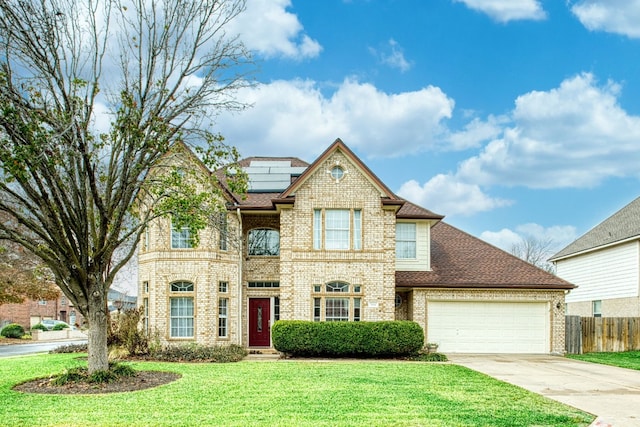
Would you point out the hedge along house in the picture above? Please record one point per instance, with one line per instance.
(328, 241)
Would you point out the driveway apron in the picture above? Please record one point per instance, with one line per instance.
(611, 393)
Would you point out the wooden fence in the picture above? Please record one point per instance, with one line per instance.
(598, 334)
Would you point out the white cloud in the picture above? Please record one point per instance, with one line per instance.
(559, 236)
(576, 135)
(268, 28)
(476, 132)
(614, 16)
(284, 113)
(446, 195)
(507, 10)
(393, 56)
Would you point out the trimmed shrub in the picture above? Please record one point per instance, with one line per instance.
(39, 326)
(59, 327)
(347, 339)
(70, 348)
(194, 352)
(12, 330)
(428, 357)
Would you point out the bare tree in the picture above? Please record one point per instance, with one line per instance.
(79, 192)
(535, 251)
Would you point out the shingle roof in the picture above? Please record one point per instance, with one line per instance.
(620, 226)
(459, 260)
(412, 211)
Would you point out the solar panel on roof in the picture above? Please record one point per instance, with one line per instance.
(271, 175)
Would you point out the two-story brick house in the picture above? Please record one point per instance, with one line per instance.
(328, 241)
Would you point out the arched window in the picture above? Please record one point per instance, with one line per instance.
(263, 242)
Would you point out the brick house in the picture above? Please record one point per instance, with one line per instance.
(328, 241)
(30, 312)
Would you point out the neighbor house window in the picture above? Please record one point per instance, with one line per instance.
(145, 287)
(181, 238)
(223, 314)
(181, 310)
(406, 240)
(42, 302)
(264, 242)
(337, 302)
(597, 308)
(342, 229)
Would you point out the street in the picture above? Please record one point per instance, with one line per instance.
(33, 348)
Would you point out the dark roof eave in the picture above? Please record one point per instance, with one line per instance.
(485, 286)
(434, 216)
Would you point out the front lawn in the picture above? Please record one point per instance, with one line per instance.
(286, 393)
(627, 359)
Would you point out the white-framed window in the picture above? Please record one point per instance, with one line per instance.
(223, 287)
(341, 228)
(181, 238)
(597, 308)
(406, 240)
(145, 239)
(181, 310)
(223, 315)
(263, 242)
(63, 300)
(223, 233)
(181, 317)
(145, 287)
(337, 302)
(42, 302)
(145, 314)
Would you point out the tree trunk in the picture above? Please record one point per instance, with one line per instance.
(97, 318)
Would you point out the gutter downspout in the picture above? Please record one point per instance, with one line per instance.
(240, 266)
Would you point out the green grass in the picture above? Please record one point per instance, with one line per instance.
(286, 393)
(627, 359)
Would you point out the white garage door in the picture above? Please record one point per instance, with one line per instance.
(488, 327)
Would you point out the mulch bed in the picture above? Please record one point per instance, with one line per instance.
(141, 381)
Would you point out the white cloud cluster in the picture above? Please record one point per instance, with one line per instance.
(614, 16)
(573, 136)
(559, 236)
(375, 122)
(508, 10)
(445, 194)
(268, 28)
(576, 135)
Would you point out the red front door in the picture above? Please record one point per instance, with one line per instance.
(259, 316)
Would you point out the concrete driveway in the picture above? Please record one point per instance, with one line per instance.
(613, 394)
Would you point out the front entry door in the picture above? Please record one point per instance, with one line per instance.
(259, 316)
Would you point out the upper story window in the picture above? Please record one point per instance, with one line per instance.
(223, 232)
(342, 229)
(264, 242)
(406, 240)
(337, 173)
(181, 238)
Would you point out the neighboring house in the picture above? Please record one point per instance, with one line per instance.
(605, 264)
(31, 312)
(328, 241)
(120, 301)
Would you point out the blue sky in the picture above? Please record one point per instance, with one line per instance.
(509, 117)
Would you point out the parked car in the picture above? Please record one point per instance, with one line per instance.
(50, 324)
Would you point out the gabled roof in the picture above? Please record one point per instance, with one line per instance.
(339, 145)
(412, 211)
(459, 260)
(622, 225)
